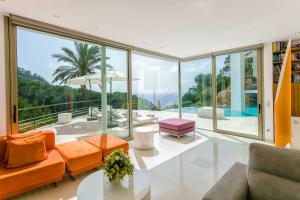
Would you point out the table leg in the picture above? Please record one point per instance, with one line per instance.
(148, 196)
(194, 133)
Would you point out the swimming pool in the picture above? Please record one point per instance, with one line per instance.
(228, 112)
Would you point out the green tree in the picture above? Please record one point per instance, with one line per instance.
(223, 77)
(158, 105)
(201, 93)
(226, 68)
(85, 60)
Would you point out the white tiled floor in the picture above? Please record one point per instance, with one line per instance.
(178, 169)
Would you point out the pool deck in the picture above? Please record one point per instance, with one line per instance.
(246, 125)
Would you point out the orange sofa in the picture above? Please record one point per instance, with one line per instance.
(75, 156)
(21, 179)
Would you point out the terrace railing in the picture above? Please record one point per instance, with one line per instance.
(37, 116)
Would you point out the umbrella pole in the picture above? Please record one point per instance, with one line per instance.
(90, 98)
(110, 100)
(103, 89)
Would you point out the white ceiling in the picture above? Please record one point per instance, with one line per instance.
(176, 27)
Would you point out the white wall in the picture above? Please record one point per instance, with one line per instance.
(2, 79)
(268, 92)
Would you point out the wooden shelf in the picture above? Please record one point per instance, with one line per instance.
(276, 73)
(295, 97)
(295, 93)
(283, 51)
(293, 61)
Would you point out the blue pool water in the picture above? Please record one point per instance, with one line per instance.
(228, 112)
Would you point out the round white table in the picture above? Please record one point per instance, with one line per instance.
(97, 187)
(143, 138)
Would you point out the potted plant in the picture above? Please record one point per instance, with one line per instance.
(117, 165)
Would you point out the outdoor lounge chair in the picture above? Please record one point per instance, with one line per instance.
(139, 120)
(115, 114)
(136, 118)
(93, 112)
(117, 117)
(122, 119)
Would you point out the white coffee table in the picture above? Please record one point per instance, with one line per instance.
(143, 138)
(96, 187)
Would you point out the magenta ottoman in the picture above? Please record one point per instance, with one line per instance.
(176, 126)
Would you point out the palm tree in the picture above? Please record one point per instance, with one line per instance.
(85, 60)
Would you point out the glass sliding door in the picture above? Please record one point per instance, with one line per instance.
(155, 94)
(59, 86)
(238, 93)
(45, 65)
(196, 92)
(117, 102)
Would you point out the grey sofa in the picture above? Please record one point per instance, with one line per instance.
(272, 174)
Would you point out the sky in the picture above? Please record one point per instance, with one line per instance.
(156, 78)
(190, 69)
(35, 50)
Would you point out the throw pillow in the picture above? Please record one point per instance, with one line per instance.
(26, 151)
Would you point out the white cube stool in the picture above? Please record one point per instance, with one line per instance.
(143, 138)
(64, 118)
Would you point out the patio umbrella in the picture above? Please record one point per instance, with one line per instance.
(112, 75)
(82, 80)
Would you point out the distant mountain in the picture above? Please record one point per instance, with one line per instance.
(37, 91)
(37, 97)
(165, 100)
(26, 74)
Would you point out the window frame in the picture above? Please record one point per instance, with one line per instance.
(12, 21)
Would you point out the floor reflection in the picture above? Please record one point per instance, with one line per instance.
(178, 170)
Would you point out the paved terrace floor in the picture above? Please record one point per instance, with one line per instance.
(246, 125)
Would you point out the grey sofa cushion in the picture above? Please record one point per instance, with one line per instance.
(264, 186)
(273, 174)
(231, 186)
(280, 162)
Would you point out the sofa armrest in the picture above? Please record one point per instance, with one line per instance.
(232, 185)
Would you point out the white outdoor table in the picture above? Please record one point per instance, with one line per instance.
(143, 138)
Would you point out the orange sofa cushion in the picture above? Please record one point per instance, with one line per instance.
(49, 137)
(80, 156)
(25, 151)
(17, 180)
(108, 143)
(16, 137)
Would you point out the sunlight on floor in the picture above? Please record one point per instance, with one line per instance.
(166, 147)
(185, 168)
